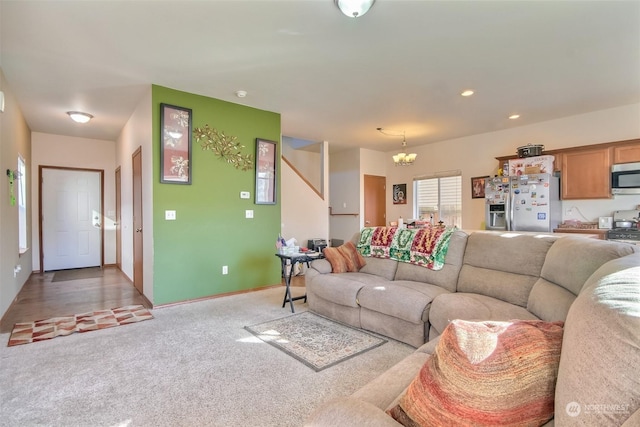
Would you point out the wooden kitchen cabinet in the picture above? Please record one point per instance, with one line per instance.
(626, 153)
(586, 174)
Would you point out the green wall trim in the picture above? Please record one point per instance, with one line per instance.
(211, 229)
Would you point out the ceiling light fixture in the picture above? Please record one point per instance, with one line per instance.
(79, 117)
(514, 116)
(467, 92)
(402, 158)
(354, 8)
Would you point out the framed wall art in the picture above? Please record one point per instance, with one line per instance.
(266, 151)
(399, 194)
(175, 148)
(477, 187)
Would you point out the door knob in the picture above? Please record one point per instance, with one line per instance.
(138, 230)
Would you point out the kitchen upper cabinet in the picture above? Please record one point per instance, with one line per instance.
(626, 153)
(586, 174)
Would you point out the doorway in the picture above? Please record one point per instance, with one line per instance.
(375, 201)
(71, 203)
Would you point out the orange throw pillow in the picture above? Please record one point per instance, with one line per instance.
(338, 264)
(351, 256)
(486, 374)
(345, 258)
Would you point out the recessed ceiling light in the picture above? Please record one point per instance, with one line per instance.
(514, 116)
(467, 92)
(79, 117)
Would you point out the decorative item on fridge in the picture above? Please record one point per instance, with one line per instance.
(530, 165)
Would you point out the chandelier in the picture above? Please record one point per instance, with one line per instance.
(354, 8)
(402, 158)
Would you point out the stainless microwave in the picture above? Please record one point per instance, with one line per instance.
(625, 178)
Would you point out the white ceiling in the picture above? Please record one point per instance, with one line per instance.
(402, 66)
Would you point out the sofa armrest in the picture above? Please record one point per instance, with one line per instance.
(348, 411)
(321, 265)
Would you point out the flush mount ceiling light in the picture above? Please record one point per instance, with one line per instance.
(467, 92)
(354, 8)
(402, 158)
(514, 116)
(79, 117)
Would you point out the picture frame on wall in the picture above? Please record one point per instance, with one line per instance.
(175, 144)
(399, 194)
(477, 187)
(265, 192)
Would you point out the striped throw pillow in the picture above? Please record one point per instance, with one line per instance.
(486, 374)
(345, 258)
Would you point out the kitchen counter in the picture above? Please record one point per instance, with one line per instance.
(598, 232)
(573, 232)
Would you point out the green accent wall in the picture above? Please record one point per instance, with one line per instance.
(211, 229)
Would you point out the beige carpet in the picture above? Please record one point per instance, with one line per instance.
(40, 330)
(314, 340)
(192, 365)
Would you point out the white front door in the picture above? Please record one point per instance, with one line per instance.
(70, 219)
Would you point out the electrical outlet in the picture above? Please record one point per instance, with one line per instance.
(245, 194)
(225, 269)
(170, 215)
(248, 213)
(568, 212)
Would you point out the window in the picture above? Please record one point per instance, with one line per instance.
(440, 198)
(21, 179)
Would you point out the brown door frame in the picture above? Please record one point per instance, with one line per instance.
(118, 179)
(40, 214)
(136, 197)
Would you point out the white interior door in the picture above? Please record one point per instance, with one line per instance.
(70, 219)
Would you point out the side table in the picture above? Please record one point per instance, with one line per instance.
(291, 260)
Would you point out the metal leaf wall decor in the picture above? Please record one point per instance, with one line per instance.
(224, 146)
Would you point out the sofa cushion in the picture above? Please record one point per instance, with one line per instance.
(405, 300)
(512, 367)
(503, 266)
(446, 277)
(447, 307)
(343, 288)
(571, 260)
(349, 412)
(549, 301)
(383, 390)
(381, 267)
(598, 380)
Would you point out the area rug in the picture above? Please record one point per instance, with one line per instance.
(77, 273)
(315, 340)
(28, 332)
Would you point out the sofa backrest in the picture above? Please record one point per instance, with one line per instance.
(446, 277)
(568, 264)
(503, 266)
(598, 382)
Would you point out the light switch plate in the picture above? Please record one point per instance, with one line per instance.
(248, 213)
(245, 194)
(170, 215)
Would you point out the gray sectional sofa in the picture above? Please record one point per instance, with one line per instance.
(497, 276)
